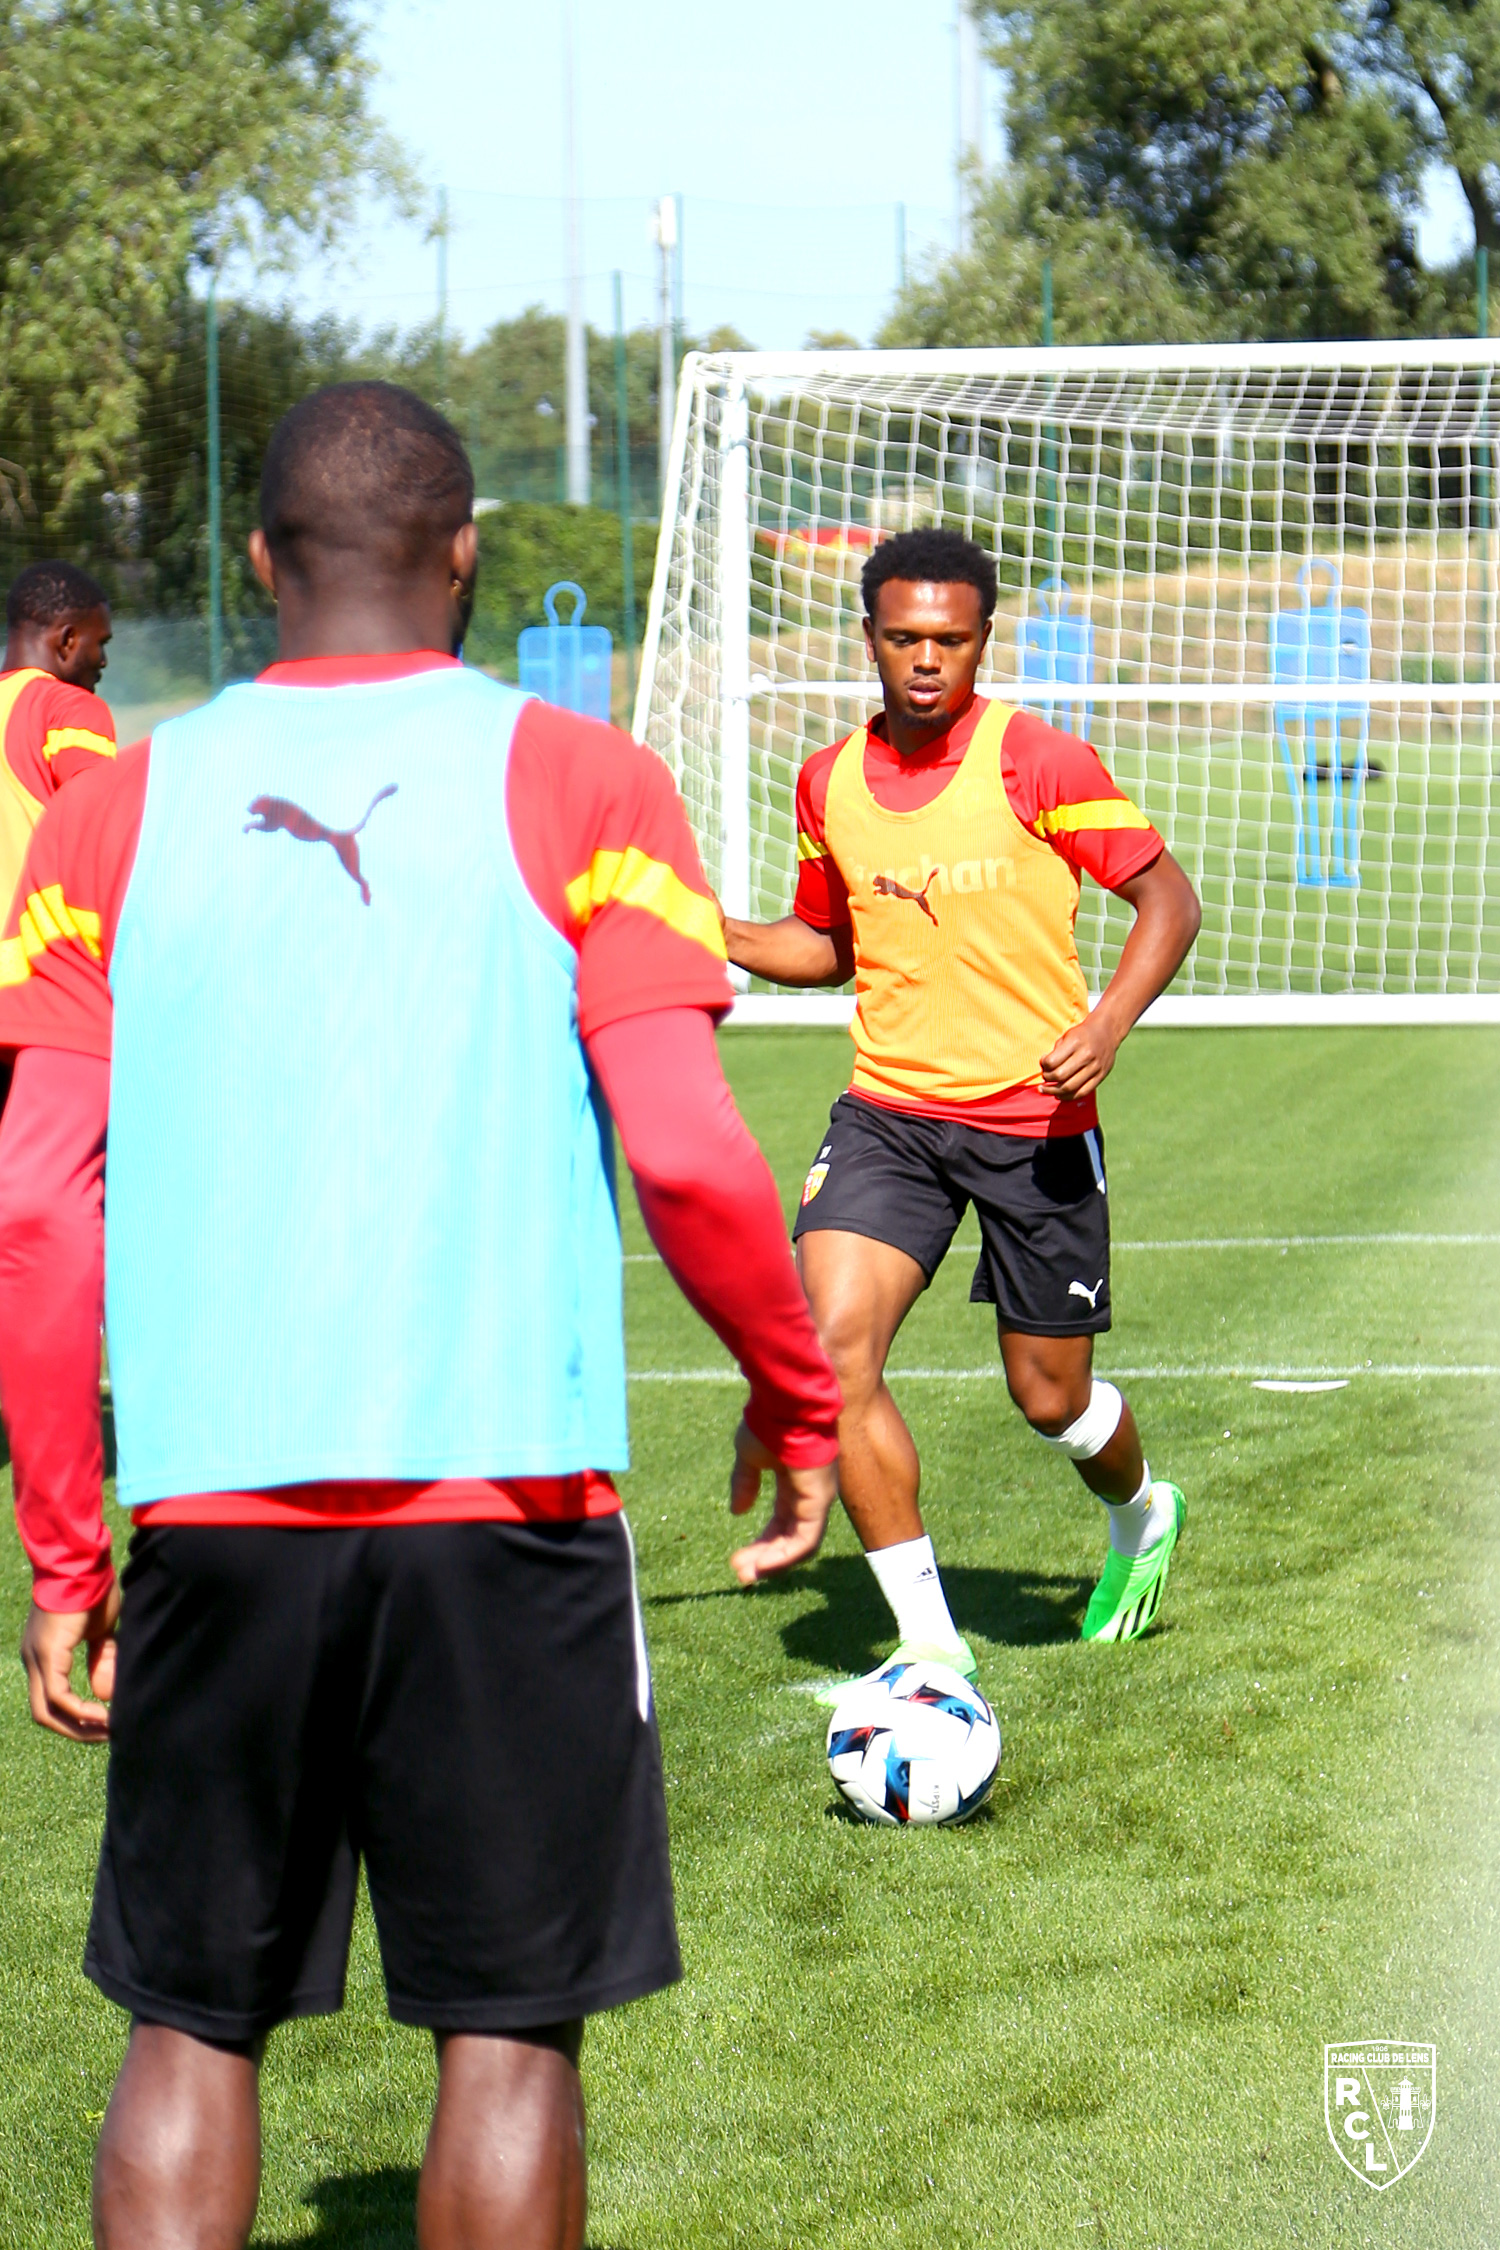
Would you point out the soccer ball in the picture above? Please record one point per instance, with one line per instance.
(913, 1742)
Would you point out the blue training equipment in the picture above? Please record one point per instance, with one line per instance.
(1057, 646)
(568, 665)
(1320, 644)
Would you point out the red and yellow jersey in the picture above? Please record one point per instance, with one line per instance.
(958, 871)
(598, 828)
(50, 732)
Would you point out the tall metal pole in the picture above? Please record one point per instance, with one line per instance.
(576, 425)
(678, 325)
(622, 453)
(1482, 279)
(442, 286)
(215, 498)
(664, 230)
(970, 153)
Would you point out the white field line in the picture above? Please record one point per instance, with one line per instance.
(1244, 1242)
(1415, 1371)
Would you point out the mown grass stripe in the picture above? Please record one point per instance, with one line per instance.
(1415, 1371)
(1246, 1242)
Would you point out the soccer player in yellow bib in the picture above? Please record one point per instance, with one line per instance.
(940, 853)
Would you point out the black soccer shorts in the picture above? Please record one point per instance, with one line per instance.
(464, 1706)
(1042, 1206)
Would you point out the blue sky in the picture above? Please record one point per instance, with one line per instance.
(792, 133)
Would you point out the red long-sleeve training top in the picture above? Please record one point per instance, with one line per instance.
(605, 850)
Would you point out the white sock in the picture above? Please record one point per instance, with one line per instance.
(908, 1578)
(1135, 1525)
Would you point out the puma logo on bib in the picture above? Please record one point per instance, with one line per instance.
(270, 813)
(886, 886)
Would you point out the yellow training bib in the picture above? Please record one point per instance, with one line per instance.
(964, 956)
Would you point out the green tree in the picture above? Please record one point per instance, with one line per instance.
(1253, 168)
(1109, 283)
(507, 396)
(140, 142)
(155, 551)
(1441, 61)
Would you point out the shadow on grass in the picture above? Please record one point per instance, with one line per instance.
(1018, 1608)
(357, 2211)
(709, 1594)
(845, 1816)
(361, 2211)
(852, 1630)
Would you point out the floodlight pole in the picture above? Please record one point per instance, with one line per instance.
(734, 651)
(664, 234)
(215, 495)
(576, 426)
(678, 322)
(442, 282)
(970, 104)
(622, 451)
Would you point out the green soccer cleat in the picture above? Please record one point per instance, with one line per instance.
(1128, 1596)
(961, 1660)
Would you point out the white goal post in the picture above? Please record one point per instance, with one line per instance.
(1264, 579)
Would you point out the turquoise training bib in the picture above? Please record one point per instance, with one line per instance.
(360, 1216)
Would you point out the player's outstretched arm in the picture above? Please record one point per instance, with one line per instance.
(1167, 918)
(711, 1208)
(790, 951)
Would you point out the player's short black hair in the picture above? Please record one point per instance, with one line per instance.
(365, 469)
(934, 558)
(47, 592)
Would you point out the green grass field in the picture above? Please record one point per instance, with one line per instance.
(1097, 2014)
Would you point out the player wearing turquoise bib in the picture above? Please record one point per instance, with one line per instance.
(351, 967)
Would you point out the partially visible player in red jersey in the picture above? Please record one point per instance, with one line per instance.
(940, 852)
(425, 1661)
(52, 725)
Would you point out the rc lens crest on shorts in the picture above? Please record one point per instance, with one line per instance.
(816, 1176)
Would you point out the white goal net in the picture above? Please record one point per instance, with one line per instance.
(1264, 581)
